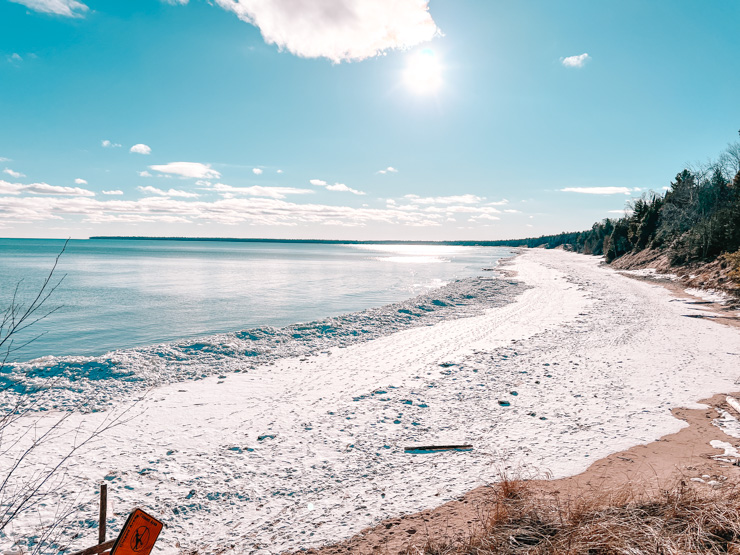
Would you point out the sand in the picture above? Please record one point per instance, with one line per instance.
(310, 451)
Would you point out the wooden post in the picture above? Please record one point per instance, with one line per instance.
(103, 512)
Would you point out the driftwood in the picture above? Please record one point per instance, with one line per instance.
(435, 448)
(733, 403)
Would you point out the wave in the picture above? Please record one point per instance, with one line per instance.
(91, 383)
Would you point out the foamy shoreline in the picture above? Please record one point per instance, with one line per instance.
(93, 382)
(596, 361)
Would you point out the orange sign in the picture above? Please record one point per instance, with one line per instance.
(138, 535)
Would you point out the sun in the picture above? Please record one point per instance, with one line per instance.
(423, 74)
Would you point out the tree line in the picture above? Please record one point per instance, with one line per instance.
(697, 219)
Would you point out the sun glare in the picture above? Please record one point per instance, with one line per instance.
(423, 73)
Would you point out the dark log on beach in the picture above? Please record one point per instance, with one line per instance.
(435, 448)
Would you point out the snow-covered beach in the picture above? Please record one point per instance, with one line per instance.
(309, 450)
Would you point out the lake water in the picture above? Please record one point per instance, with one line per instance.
(121, 294)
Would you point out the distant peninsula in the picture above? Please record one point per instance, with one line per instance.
(501, 243)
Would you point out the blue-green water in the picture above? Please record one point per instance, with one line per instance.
(119, 294)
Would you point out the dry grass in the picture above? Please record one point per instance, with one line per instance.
(687, 518)
(733, 260)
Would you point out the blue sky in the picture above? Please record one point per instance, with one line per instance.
(358, 119)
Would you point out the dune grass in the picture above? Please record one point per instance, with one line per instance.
(521, 518)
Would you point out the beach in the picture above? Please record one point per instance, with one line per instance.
(581, 363)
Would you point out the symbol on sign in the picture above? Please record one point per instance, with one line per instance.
(138, 535)
(140, 539)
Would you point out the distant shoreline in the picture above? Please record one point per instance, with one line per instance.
(501, 243)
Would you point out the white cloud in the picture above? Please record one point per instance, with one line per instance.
(176, 2)
(68, 8)
(512, 211)
(144, 174)
(389, 169)
(107, 144)
(445, 208)
(7, 188)
(187, 169)
(337, 187)
(575, 61)
(341, 187)
(463, 209)
(168, 193)
(598, 190)
(340, 30)
(46, 189)
(484, 217)
(457, 199)
(256, 171)
(14, 58)
(141, 149)
(80, 181)
(342, 223)
(227, 191)
(5, 159)
(14, 174)
(280, 171)
(228, 211)
(228, 205)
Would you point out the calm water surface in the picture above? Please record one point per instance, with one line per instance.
(118, 294)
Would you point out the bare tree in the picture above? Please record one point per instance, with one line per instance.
(19, 316)
(729, 160)
(29, 472)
